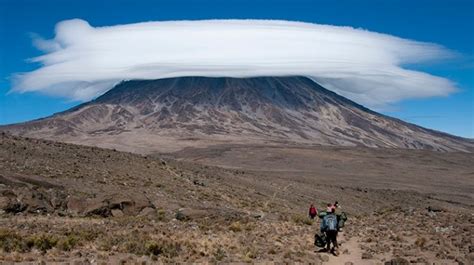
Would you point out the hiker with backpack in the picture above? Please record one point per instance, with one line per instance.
(312, 211)
(330, 228)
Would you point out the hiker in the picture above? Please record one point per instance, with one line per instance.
(312, 211)
(329, 209)
(330, 228)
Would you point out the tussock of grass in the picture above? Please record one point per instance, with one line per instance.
(235, 227)
(250, 254)
(161, 215)
(302, 220)
(69, 242)
(12, 241)
(420, 242)
(43, 242)
(140, 244)
(219, 254)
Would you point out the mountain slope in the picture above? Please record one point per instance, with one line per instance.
(169, 114)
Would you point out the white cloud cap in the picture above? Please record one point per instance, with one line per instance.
(82, 62)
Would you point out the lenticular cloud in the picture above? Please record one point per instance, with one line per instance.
(82, 61)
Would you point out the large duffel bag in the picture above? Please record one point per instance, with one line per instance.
(320, 240)
(341, 219)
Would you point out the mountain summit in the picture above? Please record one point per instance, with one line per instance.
(170, 114)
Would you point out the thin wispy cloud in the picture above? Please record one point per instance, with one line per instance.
(82, 62)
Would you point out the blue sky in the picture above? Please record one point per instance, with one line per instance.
(449, 23)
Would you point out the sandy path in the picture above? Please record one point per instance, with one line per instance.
(353, 255)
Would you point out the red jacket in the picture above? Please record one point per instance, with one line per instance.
(313, 211)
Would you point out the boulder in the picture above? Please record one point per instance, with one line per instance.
(4, 203)
(75, 205)
(470, 258)
(366, 255)
(140, 202)
(103, 206)
(12, 205)
(58, 200)
(36, 201)
(199, 183)
(116, 213)
(9, 202)
(434, 209)
(118, 202)
(147, 211)
(180, 216)
(32, 200)
(97, 207)
(185, 214)
(324, 258)
(258, 215)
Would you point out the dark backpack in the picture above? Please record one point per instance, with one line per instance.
(330, 222)
(320, 240)
(343, 216)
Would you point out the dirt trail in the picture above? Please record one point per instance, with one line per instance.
(349, 251)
